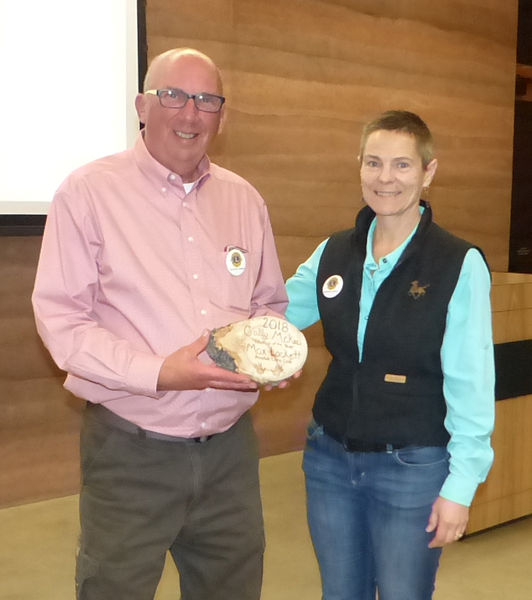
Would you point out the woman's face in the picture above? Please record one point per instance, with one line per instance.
(392, 174)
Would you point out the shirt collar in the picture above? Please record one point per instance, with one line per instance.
(158, 173)
(388, 262)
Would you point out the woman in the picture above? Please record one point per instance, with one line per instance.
(400, 436)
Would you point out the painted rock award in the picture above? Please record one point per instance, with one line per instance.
(268, 349)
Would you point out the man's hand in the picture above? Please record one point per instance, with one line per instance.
(449, 520)
(183, 370)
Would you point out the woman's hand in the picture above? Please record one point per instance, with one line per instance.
(448, 519)
(281, 384)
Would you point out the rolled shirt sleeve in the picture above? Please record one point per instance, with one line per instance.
(63, 298)
(469, 381)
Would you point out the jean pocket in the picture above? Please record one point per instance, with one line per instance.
(314, 431)
(421, 456)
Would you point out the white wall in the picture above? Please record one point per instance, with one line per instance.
(68, 73)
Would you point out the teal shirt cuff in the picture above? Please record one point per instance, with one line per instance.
(459, 489)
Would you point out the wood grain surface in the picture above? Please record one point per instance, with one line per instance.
(301, 78)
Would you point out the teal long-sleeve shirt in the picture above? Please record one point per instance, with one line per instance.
(466, 356)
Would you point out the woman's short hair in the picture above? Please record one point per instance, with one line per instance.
(406, 122)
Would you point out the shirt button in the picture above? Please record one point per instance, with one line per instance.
(171, 177)
(185, 204)
(195, 276)
(164, 190)
(384, 260)
(203, 311)
(190, 238)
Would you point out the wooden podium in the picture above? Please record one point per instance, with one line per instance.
(507, 493)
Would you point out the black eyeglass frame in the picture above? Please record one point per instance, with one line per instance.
(195, 97)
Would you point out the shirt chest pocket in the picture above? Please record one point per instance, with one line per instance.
(236, 277)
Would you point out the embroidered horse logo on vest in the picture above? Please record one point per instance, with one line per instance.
(416, 290)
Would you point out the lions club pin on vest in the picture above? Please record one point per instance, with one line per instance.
(332, 286)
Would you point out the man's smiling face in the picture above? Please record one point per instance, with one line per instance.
(179, 137)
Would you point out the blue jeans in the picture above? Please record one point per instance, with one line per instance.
(367, 513)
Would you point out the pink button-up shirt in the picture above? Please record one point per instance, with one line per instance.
(132, 268)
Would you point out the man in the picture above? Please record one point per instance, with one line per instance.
(144, 252)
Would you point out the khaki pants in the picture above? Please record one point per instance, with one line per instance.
(141, 497)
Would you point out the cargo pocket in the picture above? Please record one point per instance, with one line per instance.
(86, 569)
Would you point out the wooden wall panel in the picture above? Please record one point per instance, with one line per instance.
(302, 76)
(39, 420)
(301, 79)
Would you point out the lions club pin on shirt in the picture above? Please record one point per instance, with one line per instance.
(235, 260)
(332, 286)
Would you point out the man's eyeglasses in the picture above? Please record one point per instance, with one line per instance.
(176, 98)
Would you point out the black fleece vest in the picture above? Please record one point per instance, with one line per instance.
(395, 394)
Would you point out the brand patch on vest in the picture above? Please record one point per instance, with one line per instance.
(391, 378)
(417, 291)
(332, 286)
